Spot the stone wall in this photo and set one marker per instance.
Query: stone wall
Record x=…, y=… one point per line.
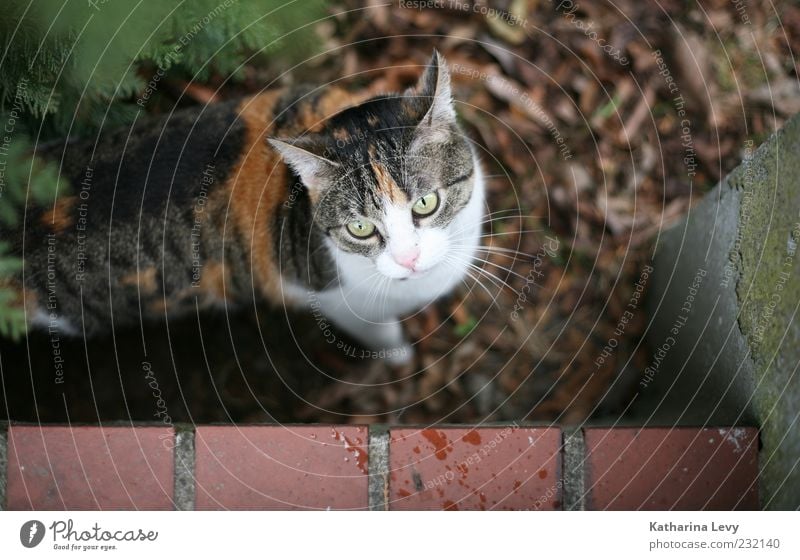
x=724, y=303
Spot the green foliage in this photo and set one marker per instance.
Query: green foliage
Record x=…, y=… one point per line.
x=70, y=67
x=24, y=180
x=12, y=318
x=85, y=61
x=463, y=329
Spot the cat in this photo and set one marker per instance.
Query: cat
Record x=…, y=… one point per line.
x=363, y=207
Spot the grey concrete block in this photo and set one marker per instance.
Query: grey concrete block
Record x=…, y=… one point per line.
x=724, y=303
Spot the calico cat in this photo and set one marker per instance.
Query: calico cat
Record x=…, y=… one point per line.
x=366, y=208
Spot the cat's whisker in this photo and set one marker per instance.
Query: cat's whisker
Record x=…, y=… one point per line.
x=474, y=224
x=500, y=267
x=506, y=215
x=386, y=294
x=382, y=294
x=361, y=283
x=501, y=215
x=477, y=280
x=515, y=258
x=484, y=273
x=349, y=289
x=488, y=274
x=374, y=291
x=491, y=278
x=518, y=211
x=491, y=232
x=487, y=252
x=499, y=251
x=333, y=280
x=499, y=233
x=470, y=289
x=368, y=278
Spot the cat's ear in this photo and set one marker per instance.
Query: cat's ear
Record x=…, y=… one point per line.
x=434, y=87
x=311, y=168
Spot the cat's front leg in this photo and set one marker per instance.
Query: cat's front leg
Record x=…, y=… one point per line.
x=382, y=337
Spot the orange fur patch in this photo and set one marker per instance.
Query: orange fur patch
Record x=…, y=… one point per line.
x=341, y=135
x=145, y=279
x=158, y=307
x=311, y=117
x=213, y=282
x=60, y=216
x=251, y=194
x=258, y=184
x=386, y=184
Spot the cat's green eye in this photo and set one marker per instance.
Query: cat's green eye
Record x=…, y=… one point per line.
x=361, y=228
x=426, y=205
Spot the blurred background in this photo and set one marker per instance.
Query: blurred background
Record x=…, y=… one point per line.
x=599, y=125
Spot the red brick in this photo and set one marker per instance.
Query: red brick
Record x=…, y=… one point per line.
x=475, y=469
x=281, y=467
x=89, y=468
x=678, y=468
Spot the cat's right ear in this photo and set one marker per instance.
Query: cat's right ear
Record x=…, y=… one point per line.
x=434, y=84
x=312, y=169
x=439, y=118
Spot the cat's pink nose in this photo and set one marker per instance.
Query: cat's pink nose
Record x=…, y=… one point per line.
x=407, y=258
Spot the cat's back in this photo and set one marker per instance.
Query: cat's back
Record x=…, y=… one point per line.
x=169, y=155
x=171, y=208
x=155, y=157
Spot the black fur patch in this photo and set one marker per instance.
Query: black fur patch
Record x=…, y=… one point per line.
x=136, y=193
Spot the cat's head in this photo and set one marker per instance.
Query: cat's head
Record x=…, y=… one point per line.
x=388, y=178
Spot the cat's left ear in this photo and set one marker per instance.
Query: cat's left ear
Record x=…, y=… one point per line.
x=312, y=169
x=434, y=87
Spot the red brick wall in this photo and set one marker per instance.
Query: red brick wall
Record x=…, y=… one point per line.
x=355, y=467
